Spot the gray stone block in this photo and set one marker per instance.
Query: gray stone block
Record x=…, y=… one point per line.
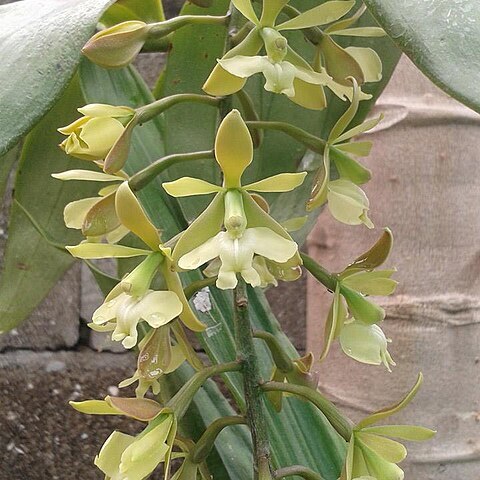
x=55, y=322
x=41, y=437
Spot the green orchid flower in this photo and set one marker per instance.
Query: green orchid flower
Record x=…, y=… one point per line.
x=346, y=200
x=234, y=228
x=360, y=337
x=96, y=217
x=132, y=301
x=284, y=70
x=372, y=454
x=125, y=457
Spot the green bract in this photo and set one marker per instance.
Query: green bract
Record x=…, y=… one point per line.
x=249, y=230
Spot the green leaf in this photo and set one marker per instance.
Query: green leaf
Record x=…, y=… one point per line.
x=148, y=11
x=40, y=43
x=441, y=38
x=32, y=266
x=192, y=127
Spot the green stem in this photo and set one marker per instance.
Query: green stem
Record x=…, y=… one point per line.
x=311, y=141
x=329, y=280
x=250, y=114
x=162, y=29
x=251, y=381
x=145, y=176
x=181, y=400
x=195, y=287
x=342, y=425
x=147, y=112
x=299, y=470
x=206, y=442
x=280, y=357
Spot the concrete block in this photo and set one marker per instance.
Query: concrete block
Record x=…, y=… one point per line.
x=55, y=322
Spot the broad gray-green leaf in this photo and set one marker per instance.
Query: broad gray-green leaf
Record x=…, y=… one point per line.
x=441, y=37
x=31, y=266
x=40, y=43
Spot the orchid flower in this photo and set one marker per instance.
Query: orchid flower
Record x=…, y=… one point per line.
x=234, y=228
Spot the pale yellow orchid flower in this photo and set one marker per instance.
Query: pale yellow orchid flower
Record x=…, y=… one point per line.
x=234, y=227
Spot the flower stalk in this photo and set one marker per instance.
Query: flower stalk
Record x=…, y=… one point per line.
x=298, y=470
x=342, y=425
x=251, y=381
x=142, y=178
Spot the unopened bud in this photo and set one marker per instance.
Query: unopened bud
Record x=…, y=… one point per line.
x=117, y=46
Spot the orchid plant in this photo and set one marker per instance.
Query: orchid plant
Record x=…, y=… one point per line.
x=209, y=186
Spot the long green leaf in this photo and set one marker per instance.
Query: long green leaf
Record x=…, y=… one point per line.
x=40, y=44
x=195, y=50
x=31, y=266
x=441, y=37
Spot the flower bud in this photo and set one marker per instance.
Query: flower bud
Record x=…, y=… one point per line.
x=92, y=136
x=117, y=46
x=348, y=203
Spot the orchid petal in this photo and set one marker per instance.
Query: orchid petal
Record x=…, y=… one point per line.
x=360, y=32
x=207, y=225
x=109, y=458
x=246, y=9
x=322, y=14
x=105, y=110
x=369, y=62
x=200, y=255
x=104, y=250
x=188, y=186
x=389, y=411
x=75, y=212
x=131, y=214
x=339, y=63
x=405, y=432
x=388, y=449
x=270, y=245
x=101, y=218
x=233, y=148
x=88, y=175
x=283, y=182
x=158, y=308
x=372, y=283
x=222, y=83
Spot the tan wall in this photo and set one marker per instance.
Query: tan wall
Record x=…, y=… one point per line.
x=426, y=187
